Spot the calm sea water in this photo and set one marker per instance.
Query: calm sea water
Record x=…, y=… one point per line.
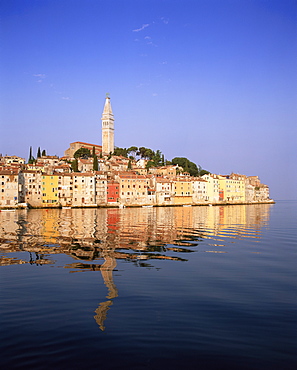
x=149, y=288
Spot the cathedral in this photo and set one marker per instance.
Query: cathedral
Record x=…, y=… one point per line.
x=107, y=135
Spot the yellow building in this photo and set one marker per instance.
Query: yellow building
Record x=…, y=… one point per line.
x=183, y=190
x=232, y=188
x=50, y=190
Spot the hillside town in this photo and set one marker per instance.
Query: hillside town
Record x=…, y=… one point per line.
x=91, y=175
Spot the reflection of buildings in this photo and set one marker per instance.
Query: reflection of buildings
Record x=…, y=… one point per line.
x=136, y=235
x=90, y=234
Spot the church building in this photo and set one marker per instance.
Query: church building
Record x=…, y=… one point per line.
x=107, y=128
x=107, y=135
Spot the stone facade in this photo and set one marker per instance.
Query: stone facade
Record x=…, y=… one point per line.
x=107, y=128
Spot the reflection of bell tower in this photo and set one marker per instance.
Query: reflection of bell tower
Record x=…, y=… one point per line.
x=107, y=127
x=106, y=271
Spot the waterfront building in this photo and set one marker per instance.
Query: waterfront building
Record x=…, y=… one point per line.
x=9, y=188
x=261, y=192
x=183, y=190
x=84, y=189
x=65, y=189
x=164, y=190
x=113, y=190
x=107, y=128
x=101, y=188
x=30, y=183
x=50, y=196
x=255, y=191
x=232, y=187
x=212, y=187
x=133, y=188
x=199, y=187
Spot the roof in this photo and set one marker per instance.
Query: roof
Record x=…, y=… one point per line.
x=9, y=172
x=81, y=142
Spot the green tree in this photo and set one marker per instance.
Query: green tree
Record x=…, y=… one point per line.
x=149, y=164
x=82, y=153
x=95, y=163
x=43, y=153
x=157, y=158
x=30, y=154
x=203, y=172
x=141, y=152
x=145, y=153
x=38, y=152
x=187, y=165
x=129, y=167
x=121, y=151
x=149, y=153
x=132, y=151
x=74, y=165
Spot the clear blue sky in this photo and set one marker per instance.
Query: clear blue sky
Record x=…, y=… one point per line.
x=213, y=81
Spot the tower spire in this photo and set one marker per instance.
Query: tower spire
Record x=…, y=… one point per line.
x=107, y=127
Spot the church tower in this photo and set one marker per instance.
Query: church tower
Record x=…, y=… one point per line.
x=107, y=127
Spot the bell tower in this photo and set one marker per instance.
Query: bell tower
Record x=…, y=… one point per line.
x=107, y=127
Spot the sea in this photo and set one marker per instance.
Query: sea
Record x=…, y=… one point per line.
x=204, y=287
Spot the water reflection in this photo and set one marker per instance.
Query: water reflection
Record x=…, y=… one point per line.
x=132, y=234
x=97, y=238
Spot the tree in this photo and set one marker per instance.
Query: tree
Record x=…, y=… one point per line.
x=120, y=151
x=149, y=165
x=82, y=153
x=149, y=153
x=74, y=165
x=203, y=172
x=129, y=167
x=145, y=152
x=95, y=163
x=187, y=165
x=132, y=151
x=31, y=158
x=38, y=152
x=43, y=153
x=157, y=158
x=30, y=154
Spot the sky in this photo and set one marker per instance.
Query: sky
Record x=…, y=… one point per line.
x=214, y=81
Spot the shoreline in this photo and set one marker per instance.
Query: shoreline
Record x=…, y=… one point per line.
x=121, y=206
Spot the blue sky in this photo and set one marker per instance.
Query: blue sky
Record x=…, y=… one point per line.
x=213, y=81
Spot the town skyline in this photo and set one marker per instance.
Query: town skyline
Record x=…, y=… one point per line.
x=214, y=81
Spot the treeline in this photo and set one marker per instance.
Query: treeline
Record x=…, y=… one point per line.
x=154, y=158
x=84, y=153
x=157, y=159
x=39, y=154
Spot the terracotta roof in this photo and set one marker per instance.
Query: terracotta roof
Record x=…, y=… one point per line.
x=81, y=142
